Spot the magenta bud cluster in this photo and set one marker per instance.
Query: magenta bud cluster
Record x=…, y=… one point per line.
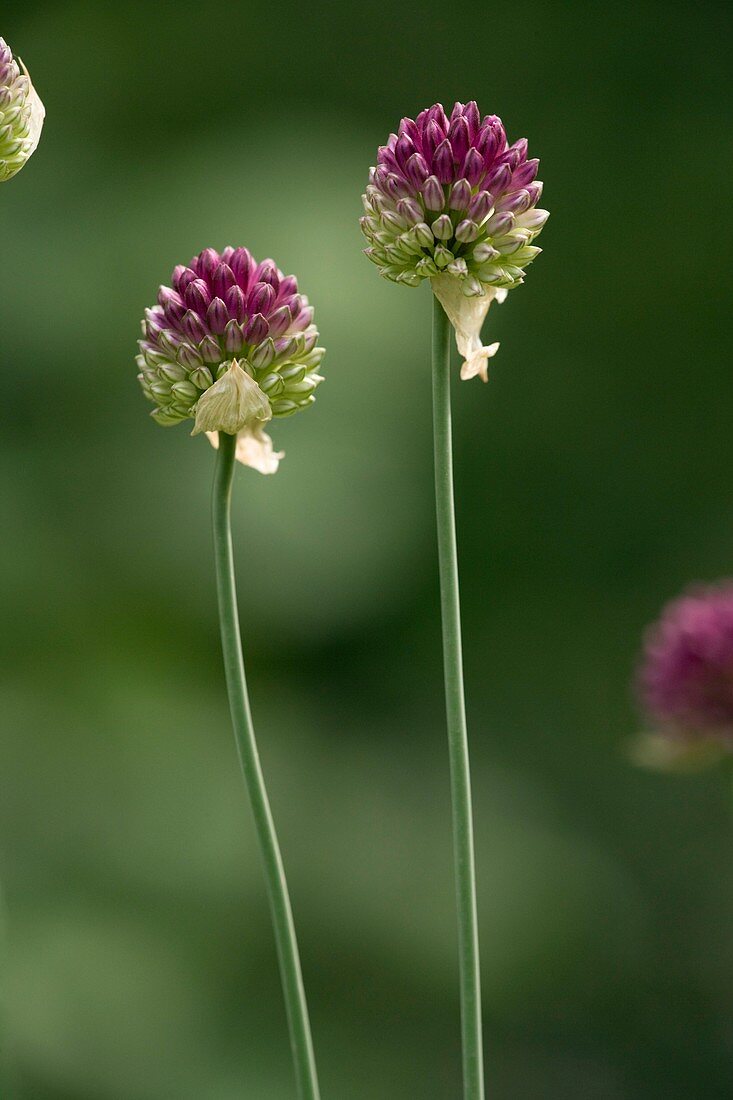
x=450, y=195
x=225, y=306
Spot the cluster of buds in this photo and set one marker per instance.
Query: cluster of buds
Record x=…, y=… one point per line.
x=686, y=680
x=450, y=201
x=230, y=344
x=21, y=115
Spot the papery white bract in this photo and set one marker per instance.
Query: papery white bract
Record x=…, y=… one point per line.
x=467, y=316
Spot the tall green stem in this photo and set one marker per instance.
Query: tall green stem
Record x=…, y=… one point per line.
x=465, y=869
x=282, y=916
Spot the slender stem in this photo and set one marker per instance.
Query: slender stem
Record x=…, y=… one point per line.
x=282, y=916
x=465, y=869
x=8, y=1084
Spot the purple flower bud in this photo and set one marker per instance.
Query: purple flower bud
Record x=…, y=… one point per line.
x=525, y=173
x=288, y=288
x=304, y=318
x=261, y=298
x=257, y=329
x=236, y=303
x=295, y=303
x=206, y=263
x=433, y=194
x=242, y=266
x=491, y=140
x=416, y=169
x=172, y=304
x=397, y=187
x=217, y=316
x=437, y=115
x=459, y=138
x=472, y=116
x=443, y=165
x=480, y=205
x=185, y=277
x=223, y=279
x=432, y=139
x=516, y=202
x=192, y=326
x=267, y=272
x=498, y=224
x=387, y=160
x=280, y=321
x=197, y=296
x=233, y=337
x=498, y=181
x=403, y=150
x=285, y=347
x=460, y=195
x=170, y=341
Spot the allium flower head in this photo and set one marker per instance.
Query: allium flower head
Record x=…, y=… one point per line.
x=451, y=201
x=686, y=676
x=230, y=344
x=21, y=115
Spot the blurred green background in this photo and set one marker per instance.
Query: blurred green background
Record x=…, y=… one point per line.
x=594, y=478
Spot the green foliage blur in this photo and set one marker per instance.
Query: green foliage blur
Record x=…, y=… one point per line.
x=594, y=481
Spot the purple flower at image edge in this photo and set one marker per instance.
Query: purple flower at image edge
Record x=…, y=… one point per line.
x=685, y=679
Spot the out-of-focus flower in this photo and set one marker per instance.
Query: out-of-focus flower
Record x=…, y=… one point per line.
x=21, y=115
x=449, y=200
x=231, y=344
x=686, y=680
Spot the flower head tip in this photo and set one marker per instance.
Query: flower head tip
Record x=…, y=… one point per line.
x=21, y=115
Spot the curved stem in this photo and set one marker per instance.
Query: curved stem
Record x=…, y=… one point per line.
x=465, y=870
x=282, y=916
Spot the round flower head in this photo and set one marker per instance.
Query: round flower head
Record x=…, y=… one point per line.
x=686, y=676
x=452, y=202
x=231, y=345
x=21, y=115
